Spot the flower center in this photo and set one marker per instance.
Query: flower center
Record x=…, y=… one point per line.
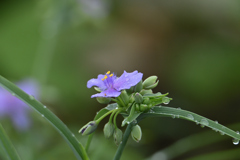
x=108, y=79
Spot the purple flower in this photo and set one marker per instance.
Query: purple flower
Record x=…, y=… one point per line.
x=111, y=86
x=14, y=108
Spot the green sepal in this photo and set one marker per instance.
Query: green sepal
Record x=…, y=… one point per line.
x=117, y=135
x=138, y=87
x=136, y=133
x=103, y=100
x=149, y=82
x=146, y=91
x=138, y=98
x=124, y=97
x=108, y=129
x=89, y=128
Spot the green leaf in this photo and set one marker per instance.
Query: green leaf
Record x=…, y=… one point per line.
x=76, y=146
x=190, y=116
x=7, y=145
x=153, y=95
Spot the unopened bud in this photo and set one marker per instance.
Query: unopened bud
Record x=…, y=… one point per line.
x=89, y=128
x=117, y=136
x=143, y=107
x=138, y=87
x=138, y=98
x=146, y=101
x=108, y=129
x=146, y=91
x=150, y=82
x=136, y=133
x=103, y=100
x=125, y=97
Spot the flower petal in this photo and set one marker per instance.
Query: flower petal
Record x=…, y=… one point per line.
x=107, y=93
x=97, y=82
x=127, y=80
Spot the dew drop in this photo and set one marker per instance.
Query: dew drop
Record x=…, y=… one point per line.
x=189, y=116
x=126, y=75
x=237, y=132
x=204, y=122
x=31, y=97
x=197, y=123
x=221, y=133
x=44, y=106
x=42, y=115
x=179, y=108
x=173, y=116
x=177, y=116
x=165, y=100
x=73, y=135
x=216, y=122
x=13, y=94
x=235, y=141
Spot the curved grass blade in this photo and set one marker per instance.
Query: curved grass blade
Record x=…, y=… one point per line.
x=7, y=145
x=76, y=146
x=190, y=116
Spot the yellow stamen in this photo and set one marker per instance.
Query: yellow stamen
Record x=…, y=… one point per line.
x=108, y=72
x=111, y=75
x=105, y=77
x=102, y=79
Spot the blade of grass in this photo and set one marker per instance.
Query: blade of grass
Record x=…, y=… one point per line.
x=75, y=145
x=190, y=116
x=7, y=145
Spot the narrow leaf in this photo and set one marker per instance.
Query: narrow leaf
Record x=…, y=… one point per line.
x=7, y=145
x=76, y=146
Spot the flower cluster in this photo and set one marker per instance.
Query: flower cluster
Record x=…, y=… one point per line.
x=14, y=108
x=133, y=97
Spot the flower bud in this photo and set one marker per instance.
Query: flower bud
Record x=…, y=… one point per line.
x=146, y=101
x=117, y=136
x=138, y=98
x=108, y=129
x=143, y=107
x=131, y=99
x=137, y=107
x=138, y=87
x=103, y=100
x=136, y=133
x=146, y=91
x=89, y=128
x=150, y=82
x=125, y=97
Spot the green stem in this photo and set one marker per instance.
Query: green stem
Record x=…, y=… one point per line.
x=89, y=141
x=115, y=119
x=124, y=142
x=106, y=114
x=7, y=145
x=110, y=119
x=114, y=100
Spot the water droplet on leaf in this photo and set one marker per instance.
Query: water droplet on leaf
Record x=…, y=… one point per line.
x=216, y=122
x=44, y=106
x=204, y=122
x=189, y=116
x=42, y=115
x=31, y=97
x=173, y=116
x=235, y=141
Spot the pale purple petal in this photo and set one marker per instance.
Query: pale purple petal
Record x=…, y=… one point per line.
x=21, y=120
x=127, y=80
x=107, y=93
x=97, y=82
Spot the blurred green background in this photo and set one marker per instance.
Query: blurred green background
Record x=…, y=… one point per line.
x=192, y=46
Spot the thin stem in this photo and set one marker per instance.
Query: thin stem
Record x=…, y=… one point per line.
x=89, y=141
x=115, y=119
x=106, y=114
x=110, y=119
x=7, y=145
x=124, y=142
x=114, y=100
